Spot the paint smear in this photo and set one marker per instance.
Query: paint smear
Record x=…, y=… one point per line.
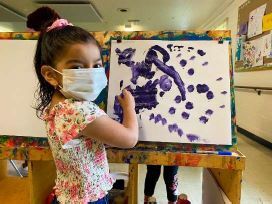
x=178, y=55
x=165, y=83
x=205, y=64
x=210, y=95
x=192, y=58
x=164, y=121
x=158, y=118
x=172, y=110
x=162, y=94
x=191, y=71
x=121, y=84
x=224, y=92
x=152, y=116
x=190, y=88
x=203, y=119
x=183, y=62
x=209, y=112
x=192, y=137
x=185, y=115
x=201, y=52
x=202, y=88
x=223, y=106
x=180, y=132
x=219, y=79
x=189, y=105
x=178, y=99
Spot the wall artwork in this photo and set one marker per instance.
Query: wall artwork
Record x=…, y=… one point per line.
x=181, y=89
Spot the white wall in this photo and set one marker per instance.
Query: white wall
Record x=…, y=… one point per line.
x=254, y=112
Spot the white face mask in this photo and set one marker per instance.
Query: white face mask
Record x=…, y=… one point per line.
x=83, y=84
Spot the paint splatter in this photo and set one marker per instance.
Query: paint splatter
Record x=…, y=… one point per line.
x=205, y=64
x=223, y=106
x=183, y=62
x=202, y=88
x=162, y=94
x=164, y=121
x=219, y=79
x=201, y=52
x=191, y=71
x=185, y=115
x=121, y=84
x=203, y=119
x=189, y=105
x=224, y=92
x=190, y=48
x=178, y=55
x=169, y=46
x=190, y=88
x=210, y=95
x=158, y=118
x=180, y=132
x=178, y=99
x=173, y=127
x=165, y=83
x=209, y=112
x=125, y=56
x=192, y=137
x=172, y=110
x=152, y=116
x=192, y=58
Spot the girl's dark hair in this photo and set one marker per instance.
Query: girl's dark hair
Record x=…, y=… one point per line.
x=50, y=45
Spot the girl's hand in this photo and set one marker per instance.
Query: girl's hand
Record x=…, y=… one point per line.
x=127, y=102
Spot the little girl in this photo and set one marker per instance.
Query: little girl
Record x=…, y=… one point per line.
x=69, y=68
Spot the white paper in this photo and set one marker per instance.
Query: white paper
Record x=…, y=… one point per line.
x=211, y=69
x=267, y=45
x=255, y=21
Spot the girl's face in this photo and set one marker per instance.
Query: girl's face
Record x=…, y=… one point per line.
x=76, y=56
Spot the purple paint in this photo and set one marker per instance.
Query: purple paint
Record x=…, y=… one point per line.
x=191, y=71
x=164, y=121
x=205, y=64
x=125, y=56
x=152, y=57
x=121, y=84
x=202, y=88
x=178, y=99
x=117, y=110
x=210, y=95
x=190, y=88
x=224, y=92
x=180, y=132
x=219, y=79
x=172, y=110
x=223, y=106
x=183, y=62
x=203, y=119
x=185, y=115
x=162, y=94
x=173, y=127
x=179, y=47
x=192, y=137
x=189, y=106
x=192, y=58
x=165, y=83
x=169, y=46
x=178, y=55
x=209, y=112
x=152, y=116
x=158, y=118
x=190, y=48
x=201, y=52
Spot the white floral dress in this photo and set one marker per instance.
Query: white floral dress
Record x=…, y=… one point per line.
x=81, y=163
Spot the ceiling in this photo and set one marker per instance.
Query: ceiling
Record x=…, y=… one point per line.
x=98, y=15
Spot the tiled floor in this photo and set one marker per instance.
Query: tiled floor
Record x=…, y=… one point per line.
x=257, y=180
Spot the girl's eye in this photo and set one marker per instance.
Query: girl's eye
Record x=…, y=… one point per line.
x=76, y=67
x=97, y=66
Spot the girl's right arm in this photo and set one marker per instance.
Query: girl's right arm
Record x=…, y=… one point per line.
x=112, y=133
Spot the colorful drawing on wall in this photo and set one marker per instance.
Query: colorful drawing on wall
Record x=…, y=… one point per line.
x=267, y=40
x=253, y=53
x=255, y=21
x=181, y=89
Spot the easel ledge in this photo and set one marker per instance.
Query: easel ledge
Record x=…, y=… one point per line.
x=227, y=170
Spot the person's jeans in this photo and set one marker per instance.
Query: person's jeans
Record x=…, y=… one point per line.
x=104, y=200
x=170, y=179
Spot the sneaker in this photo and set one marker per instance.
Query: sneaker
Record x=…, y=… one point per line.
x=183, y=199
x=150, y=200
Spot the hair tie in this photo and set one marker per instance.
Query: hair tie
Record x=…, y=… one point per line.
x=59, y=23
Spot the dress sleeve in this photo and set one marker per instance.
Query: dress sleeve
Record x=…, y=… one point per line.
x=71, y=118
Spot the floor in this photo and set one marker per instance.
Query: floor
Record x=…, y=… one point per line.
x=256, y=186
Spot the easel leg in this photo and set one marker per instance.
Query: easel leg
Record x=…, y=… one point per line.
x=133, y=184
x=42, y=176
x=3, y=169
x=230, y=182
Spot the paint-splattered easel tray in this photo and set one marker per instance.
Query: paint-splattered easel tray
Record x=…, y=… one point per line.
x=105, y=38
